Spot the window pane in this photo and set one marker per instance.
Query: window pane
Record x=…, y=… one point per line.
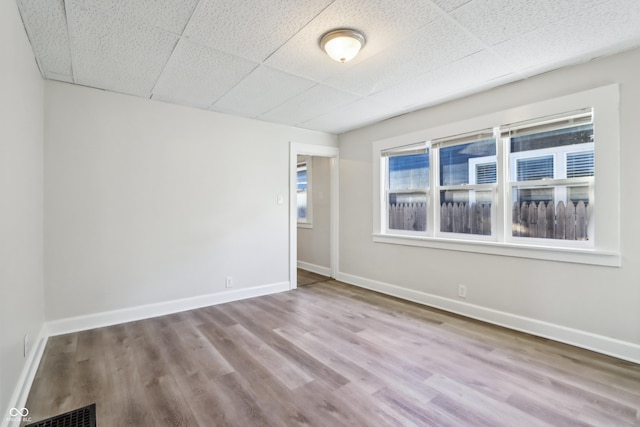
x=556, y=212
x=302, y=191
x=556, y=138
x=466, y=211
x=407, y=211
x=409, y=172
x=302, y=178
x=486, y=173
x=580, y=164
x=454, y=161
x=535, y=168
x=302, y=204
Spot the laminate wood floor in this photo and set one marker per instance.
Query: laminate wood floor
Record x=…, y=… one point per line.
x=306, y=277
x=329, y=354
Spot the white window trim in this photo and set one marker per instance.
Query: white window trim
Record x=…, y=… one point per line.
x=560, y=179
x=606, y=221
x=307, y=222
x=384, y=164
x=437, y=188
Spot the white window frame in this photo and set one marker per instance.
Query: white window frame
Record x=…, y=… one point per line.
x=474, y=136
x=307, y=221
x=605, y=247
x=384, y=164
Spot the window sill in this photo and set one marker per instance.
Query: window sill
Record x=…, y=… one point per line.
x=549, y=253
x=305, y=225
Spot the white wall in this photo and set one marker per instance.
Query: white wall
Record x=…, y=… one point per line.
x=603, y=301
x=314, y=243
x=147, y=202
x=21, y=124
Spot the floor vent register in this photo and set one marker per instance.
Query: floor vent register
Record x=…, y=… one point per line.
x=82, y=417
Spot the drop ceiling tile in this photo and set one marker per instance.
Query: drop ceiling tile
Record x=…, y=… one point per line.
x=254, y=29
x=612, y=27
x=449, y=5
x=46, y=25
x=459, y=78
x=349, y=117
x=262, y=90
x=564, y=8
x=494, y=21
x=383, y=23
x=114, y=54
x=169, y=15
x=198, y=75
x=315, y=102
x=434, y=45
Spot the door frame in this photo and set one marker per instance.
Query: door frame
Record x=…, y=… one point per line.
x=296, y=149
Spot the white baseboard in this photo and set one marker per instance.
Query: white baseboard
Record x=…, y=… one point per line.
x=601, y=344
x=21, y=392
x=325, y=271
x=108, y=318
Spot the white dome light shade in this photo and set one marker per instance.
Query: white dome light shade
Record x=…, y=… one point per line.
x=342, y=45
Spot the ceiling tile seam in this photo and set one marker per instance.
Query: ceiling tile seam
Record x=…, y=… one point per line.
x=262, y=61
x=288, y=72
x=260, y=116
x=517, y=70
x=344, y=106
x=447, y=16
x=71, y=53
x=329, y=111
x=178, y=38
x=193, y=12
x=302, y=27
x=234, y=86
x=35, y=56
x=164, y=68
x=360, y=98
x=133, y=21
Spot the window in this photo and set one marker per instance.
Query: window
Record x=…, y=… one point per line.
x=406, y=188
x=467, y=183
x=551, y=177
x=303, y=191
x=524, y=188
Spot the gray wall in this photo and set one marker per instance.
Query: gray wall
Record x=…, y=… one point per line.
x=314, y=243
x=148, y=202
x=594, y=299
x=21, y=139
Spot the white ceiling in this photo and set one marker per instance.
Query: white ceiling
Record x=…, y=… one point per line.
x=260, y=58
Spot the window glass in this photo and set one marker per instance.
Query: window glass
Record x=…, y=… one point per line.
x=486, y=173
x=408, y=181
x=302, y=184
x=580, y=164
x=540, y=216
x=463, y=210
x=533, y=169
x=552, y=209
x=455, y=160
x=411, y=171
x=466, y=211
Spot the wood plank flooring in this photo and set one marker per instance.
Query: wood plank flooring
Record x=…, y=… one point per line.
x=329, y=354
x=306, y=277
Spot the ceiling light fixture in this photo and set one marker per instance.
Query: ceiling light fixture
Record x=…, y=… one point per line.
x=342, y=45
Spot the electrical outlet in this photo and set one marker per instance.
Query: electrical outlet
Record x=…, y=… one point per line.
x=228, y=283
x=462, y=291
x=26, y=345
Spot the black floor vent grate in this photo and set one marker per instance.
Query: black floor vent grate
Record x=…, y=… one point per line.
x=82, y=417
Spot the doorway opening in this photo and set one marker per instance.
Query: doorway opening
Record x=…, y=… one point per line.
x=319, y=221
